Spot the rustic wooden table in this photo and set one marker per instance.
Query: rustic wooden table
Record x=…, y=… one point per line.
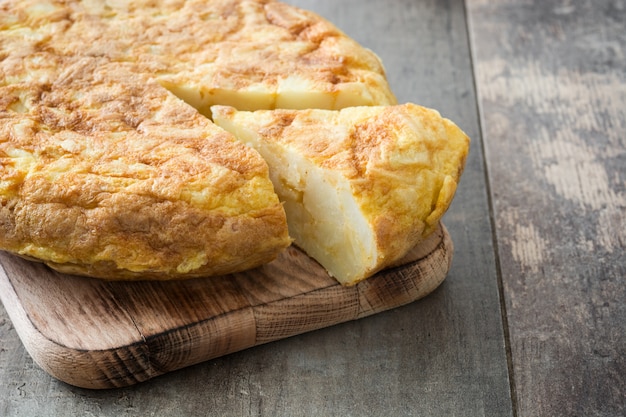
x=531, y=320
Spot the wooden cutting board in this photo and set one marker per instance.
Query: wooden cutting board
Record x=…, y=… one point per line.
x=104, y=334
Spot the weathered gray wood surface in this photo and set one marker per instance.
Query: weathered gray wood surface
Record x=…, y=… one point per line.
x=551, y=89
x=551, y=80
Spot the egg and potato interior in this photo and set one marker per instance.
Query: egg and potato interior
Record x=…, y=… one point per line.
x=112, y=167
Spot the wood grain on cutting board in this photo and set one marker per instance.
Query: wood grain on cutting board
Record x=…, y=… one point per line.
x=102, y=334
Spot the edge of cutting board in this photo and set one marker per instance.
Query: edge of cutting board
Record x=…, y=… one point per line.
x=105, y=334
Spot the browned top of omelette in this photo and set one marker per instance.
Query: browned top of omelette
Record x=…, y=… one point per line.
x=105, y=173
x=110, y=169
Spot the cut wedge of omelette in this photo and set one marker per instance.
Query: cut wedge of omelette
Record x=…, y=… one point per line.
x=112, y=168
x=361, y=186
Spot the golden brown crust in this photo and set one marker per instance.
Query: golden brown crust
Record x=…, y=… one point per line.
x=107, y=174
